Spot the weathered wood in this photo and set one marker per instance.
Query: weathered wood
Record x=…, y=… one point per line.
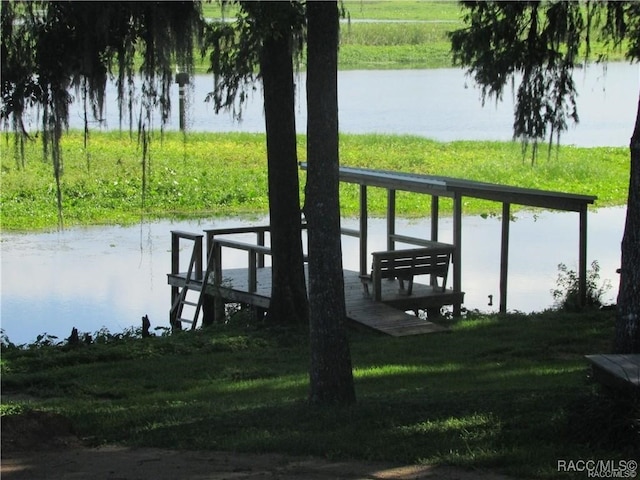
x=407, y=263
x=617, y=371
x=504, y=256
x=456, y=188
x=582, y=254
x=435, y=216
x=388, y=317
x=391, y=219
x=364, y=229
x=194, y=273
x=457, y=253
x=450, y=187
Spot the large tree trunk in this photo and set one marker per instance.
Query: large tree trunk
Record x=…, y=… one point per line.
x=289, y=294
x=330, y=372
x=628, y=314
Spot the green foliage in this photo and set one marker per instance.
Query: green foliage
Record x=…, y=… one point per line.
x=501, y=392
x=416, y=37
x=50, y=48
x=567, y=292
x=534, y=47
x=210, y=174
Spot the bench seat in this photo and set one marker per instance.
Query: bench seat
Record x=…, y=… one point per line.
x=405, y=264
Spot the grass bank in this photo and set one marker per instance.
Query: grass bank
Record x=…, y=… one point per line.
x=209, y=174
x=409, y=34
x=507, y=393
x=398, y=34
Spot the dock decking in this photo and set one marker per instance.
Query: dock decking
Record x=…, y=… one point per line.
x=388, y=317
x=617, y=371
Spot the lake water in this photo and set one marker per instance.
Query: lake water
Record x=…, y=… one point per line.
x=110, y=276
x=441, y=104
x=90, y=278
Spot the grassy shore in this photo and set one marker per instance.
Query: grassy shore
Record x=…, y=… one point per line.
x=504, y=393
x=213, y=174
x=399, y=34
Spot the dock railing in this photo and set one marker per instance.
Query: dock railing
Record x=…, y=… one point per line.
x=255, y=252
x=195, y=264
x=259, y=230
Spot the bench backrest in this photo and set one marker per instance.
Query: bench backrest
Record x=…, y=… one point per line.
x=411, y=262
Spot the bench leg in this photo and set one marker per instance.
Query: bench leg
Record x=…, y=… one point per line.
x=409, y=289
x=365, y=279
x=410, y=286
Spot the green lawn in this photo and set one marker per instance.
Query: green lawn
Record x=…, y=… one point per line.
x=506, y=393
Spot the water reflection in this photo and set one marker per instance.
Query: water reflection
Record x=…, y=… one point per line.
x=441, y=104
x=97, y=277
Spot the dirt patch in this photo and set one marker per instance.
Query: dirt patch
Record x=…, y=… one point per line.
x=42, y=446
x=35, y=430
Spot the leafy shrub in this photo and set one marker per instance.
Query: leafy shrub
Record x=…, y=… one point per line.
x=566, y=295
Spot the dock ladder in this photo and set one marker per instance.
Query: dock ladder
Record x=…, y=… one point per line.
x=194, y=281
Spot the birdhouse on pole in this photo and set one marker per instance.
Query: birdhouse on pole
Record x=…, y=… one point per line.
x=182, y=79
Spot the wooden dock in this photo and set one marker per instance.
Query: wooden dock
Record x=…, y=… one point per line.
x=388, y=316
x=617, y=371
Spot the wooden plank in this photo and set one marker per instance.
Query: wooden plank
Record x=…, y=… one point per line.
x=617, y=371
x=361, y=309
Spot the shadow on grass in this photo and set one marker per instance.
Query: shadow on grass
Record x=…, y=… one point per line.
x=496, y=392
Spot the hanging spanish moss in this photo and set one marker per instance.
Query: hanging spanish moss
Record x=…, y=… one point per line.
x=49, y=48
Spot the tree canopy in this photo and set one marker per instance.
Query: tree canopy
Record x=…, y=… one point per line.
x=537, y=45
x=50, y=49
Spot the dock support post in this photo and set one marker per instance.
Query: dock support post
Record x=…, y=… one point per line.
x=198, y=253
x=175, y=266
x=582, y=260
x=457, y=252
x=363, y=229
x=504, y=256
x=217, y=281
x=434, y=217
x=260, y=237
x=391, y=219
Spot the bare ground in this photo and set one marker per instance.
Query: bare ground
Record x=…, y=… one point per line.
x=39, y=446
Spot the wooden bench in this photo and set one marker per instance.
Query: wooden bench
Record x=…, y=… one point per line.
x=405, y=264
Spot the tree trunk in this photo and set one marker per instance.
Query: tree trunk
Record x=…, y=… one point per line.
x=628, y=311
x=289, y=294
x=330, y=372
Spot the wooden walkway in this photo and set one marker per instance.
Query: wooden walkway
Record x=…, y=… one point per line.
x=388, y=317
x=617, y=371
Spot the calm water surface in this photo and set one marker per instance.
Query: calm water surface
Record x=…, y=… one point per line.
x=110, y=276
x=90, y=278
x=441, y=104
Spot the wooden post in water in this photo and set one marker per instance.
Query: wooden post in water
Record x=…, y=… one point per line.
x=434, y=217
x=504, y=256
x=175, y=266
x=260, y=239
x=391, y=219
x=218, y=308
x=457, y=252
x=582, y=258
x=363, y=229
